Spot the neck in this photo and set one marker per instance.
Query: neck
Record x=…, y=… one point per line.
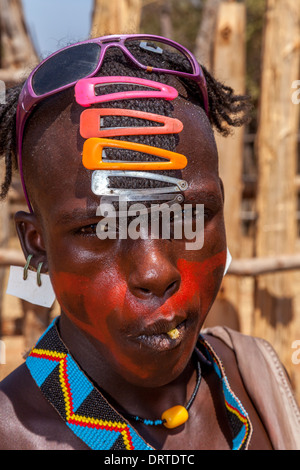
x=123, y=395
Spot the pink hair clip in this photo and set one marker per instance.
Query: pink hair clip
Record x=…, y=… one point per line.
x=91, y=123
x=85, y=90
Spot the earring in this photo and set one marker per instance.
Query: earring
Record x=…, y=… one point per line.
x=36, y=288
x=38, y=274
x=25, y=270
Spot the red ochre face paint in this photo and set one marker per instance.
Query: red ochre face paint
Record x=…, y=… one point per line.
x=200, y=278
x=90, y=304
x=106, y=310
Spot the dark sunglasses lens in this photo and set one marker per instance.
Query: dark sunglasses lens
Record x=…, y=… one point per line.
x=66, y=67
x=158, y=54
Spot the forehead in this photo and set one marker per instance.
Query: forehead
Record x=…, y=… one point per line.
x=52, y=151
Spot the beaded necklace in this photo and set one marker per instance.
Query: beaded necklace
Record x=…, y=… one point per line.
x=88, y=414
x=175, y=416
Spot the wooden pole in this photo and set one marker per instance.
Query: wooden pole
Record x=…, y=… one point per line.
x=206, y=34
x=17, y=50
x=229, y=67
x=11, y=256
x=116, y=17
x=166, y=20
x=275, y=316
x=259, y=266
x=17, y=53
x=238, y=267
x=229, y=59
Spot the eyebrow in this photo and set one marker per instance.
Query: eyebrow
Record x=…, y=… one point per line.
x=204, y=197
x=76, y=215
x=81, y=215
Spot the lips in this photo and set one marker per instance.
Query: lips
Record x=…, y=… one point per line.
x=158, y=339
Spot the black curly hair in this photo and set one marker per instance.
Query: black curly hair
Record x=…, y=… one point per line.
x=226, y=110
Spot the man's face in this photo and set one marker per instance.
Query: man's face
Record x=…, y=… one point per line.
x=125, y=295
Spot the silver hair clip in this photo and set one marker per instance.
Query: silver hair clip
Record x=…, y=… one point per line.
x=122, y=211
x=100, y=186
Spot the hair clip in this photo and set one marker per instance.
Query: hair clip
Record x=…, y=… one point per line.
x=93, y=152
x=85, y=90
x=91, y=123
x=170, y=199
x=100, y=185
x=157, y=49
x=122, y=211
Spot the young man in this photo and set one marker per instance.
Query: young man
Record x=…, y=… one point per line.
x=126, y=348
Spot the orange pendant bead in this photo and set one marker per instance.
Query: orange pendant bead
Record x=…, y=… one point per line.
x=175, y=416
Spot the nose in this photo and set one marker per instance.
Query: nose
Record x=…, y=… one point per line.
x=152, y=272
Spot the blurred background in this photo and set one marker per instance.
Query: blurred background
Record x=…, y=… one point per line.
x=252, y=46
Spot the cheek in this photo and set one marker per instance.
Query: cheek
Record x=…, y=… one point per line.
x=200, y=280
x=89, y=302
x=99, y=306
x=94, y=308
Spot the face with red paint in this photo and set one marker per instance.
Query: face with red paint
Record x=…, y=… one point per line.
x=123, y=295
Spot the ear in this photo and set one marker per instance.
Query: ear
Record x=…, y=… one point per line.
x=30, y=234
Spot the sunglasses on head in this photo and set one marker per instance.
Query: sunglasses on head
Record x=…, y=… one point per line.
x=66, y=67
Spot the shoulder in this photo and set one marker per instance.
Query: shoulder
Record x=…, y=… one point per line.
x=226, y=353
x=28, y=421
x=256, y=372
x=223, y=347
x=262, y=355
x=252, y=358
x=15, y=406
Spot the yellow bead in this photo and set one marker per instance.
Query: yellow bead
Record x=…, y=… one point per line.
x=175, y=416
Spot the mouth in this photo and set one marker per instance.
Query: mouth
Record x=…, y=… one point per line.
x=167, y=336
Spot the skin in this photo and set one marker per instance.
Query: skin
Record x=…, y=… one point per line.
x=112, y=291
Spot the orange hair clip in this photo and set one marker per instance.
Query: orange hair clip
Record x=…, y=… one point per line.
x=90, y=123
x=93, y=150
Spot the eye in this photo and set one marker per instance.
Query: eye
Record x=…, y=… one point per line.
x=197, y=213
x=179, y=216
x=208, y=214
x=87, y=230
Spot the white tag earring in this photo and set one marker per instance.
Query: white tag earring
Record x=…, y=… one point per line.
x=228, y=261
x=35, y=287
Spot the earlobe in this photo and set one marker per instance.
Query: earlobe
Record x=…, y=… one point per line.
x=31, y=238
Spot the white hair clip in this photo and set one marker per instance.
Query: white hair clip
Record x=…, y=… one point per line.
x=100, y=185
